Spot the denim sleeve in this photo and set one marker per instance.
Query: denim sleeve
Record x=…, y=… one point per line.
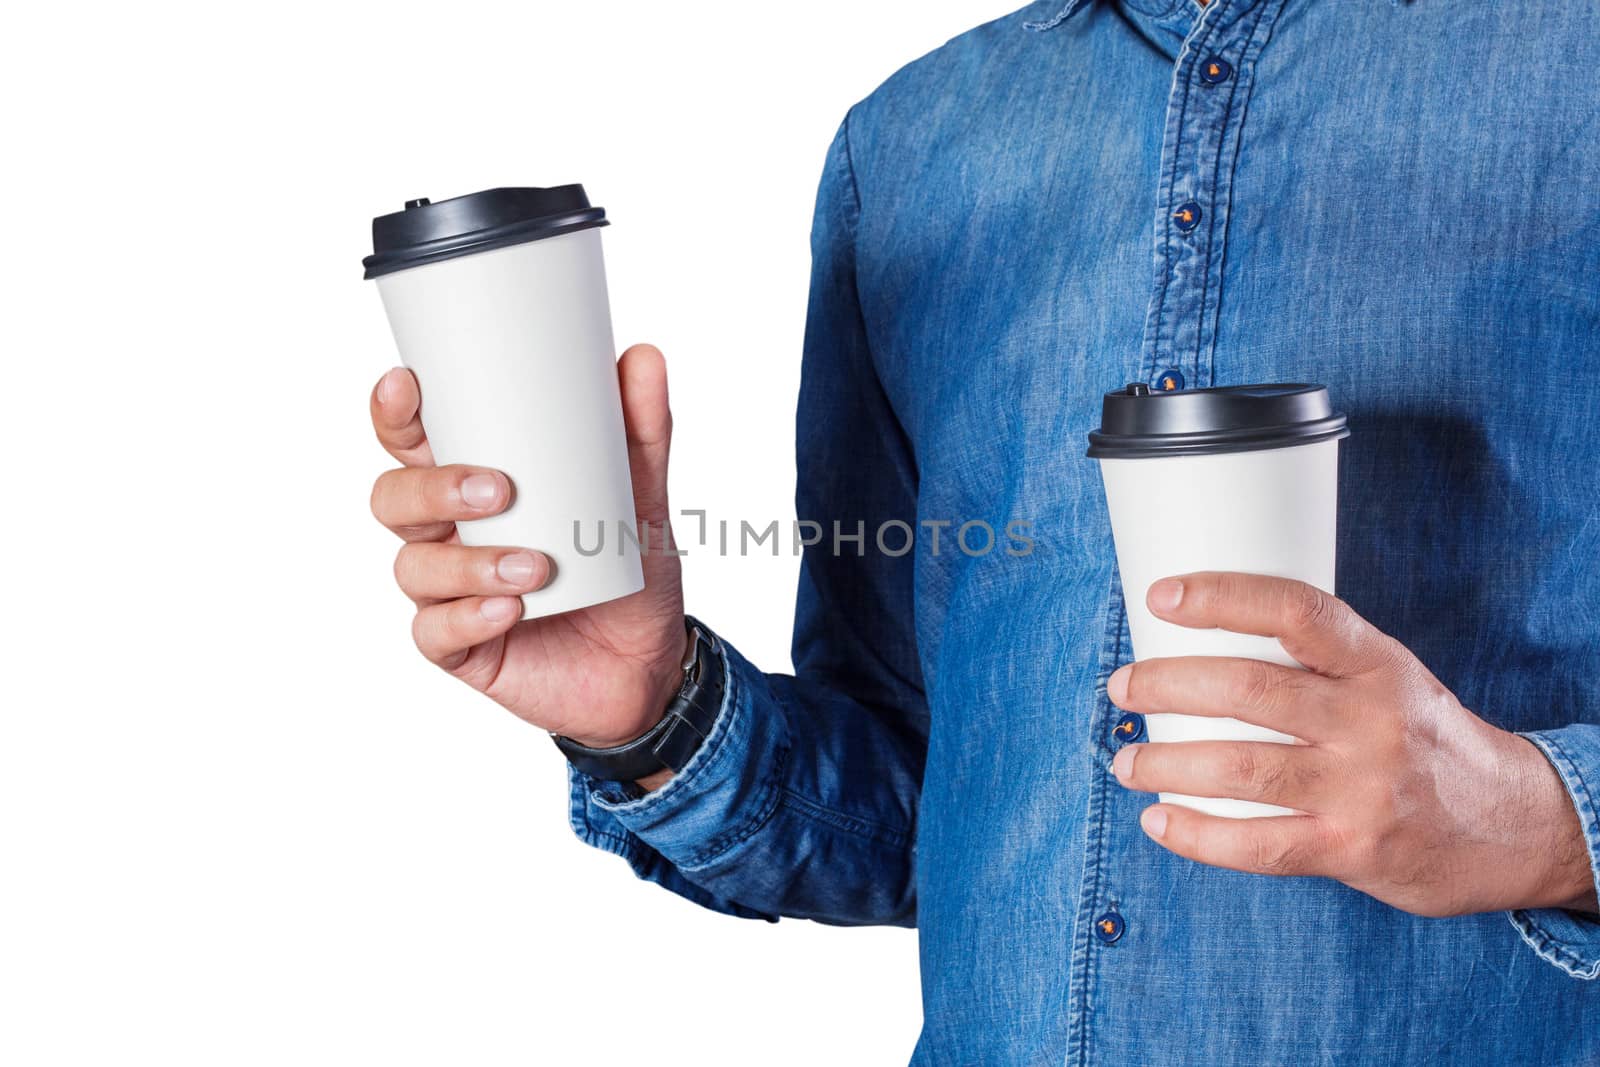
x=1569, y=939
x=802, y=800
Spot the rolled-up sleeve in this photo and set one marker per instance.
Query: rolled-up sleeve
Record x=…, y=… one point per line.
x=1568, y=939
x=679, y=835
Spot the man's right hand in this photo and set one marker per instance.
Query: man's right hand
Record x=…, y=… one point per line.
x=601, y=676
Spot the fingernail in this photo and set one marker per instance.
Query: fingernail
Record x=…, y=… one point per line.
x=1122, y=765
x=517, y=568
x=499, y=608
x=480, y=491
x=1154, y=821
x=387, y=385
x=1165, y=594
x=1117, y=684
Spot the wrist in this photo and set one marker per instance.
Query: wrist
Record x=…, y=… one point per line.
x=651, y=783
x=669, y=671
x=667, y=688
x=658, y=687
x=1561, y=873
x=683, y=721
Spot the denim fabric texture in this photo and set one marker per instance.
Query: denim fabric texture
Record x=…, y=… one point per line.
x=1399, y=200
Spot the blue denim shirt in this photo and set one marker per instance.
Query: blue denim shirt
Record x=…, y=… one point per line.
x=1400, y=200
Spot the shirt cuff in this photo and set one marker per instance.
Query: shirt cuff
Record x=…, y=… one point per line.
x=1570, y=939
x=724, y=796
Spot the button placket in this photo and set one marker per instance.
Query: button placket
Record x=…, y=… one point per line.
x=1200, y=143
x=1199, y=149
x=1183, y=244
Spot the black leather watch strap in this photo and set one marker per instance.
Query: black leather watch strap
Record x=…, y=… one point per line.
x=673, y=741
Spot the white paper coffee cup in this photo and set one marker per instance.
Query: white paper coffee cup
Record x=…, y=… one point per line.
x=498, y=305
x=1241, y=478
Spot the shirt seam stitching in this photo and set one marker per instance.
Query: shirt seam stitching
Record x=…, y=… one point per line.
x=861, y=827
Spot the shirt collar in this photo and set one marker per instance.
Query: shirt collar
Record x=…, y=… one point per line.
x=1152, y=17
x=1168, y=18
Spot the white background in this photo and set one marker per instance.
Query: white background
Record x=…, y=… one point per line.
x=241, y=820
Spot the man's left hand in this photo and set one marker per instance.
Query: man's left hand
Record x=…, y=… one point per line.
x=1405, y=794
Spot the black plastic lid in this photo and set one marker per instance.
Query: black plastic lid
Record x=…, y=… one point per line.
x=1136, y=423
x=426, y=232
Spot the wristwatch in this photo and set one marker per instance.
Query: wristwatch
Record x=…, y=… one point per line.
x=673, y=741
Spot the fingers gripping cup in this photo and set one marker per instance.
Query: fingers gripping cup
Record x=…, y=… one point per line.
x=498, y=305
x=1238, y=478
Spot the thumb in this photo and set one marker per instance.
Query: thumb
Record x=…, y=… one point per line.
x=642, y=375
